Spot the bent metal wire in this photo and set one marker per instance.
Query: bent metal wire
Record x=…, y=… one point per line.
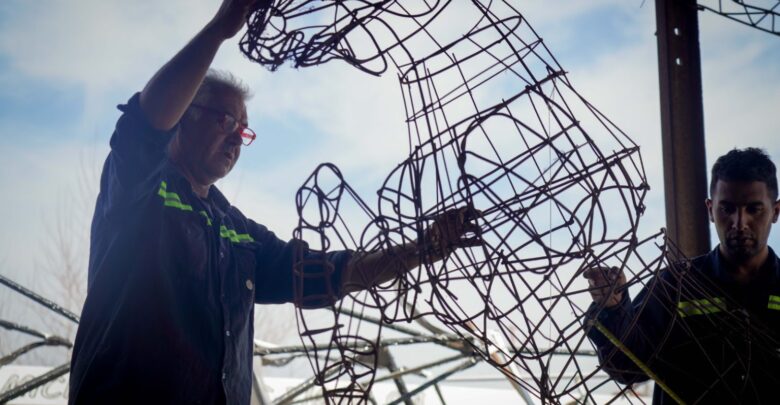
x=493, y=122
x=761, y=15
x=39, y=340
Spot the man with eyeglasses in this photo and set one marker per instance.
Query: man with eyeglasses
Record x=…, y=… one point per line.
x=174, y=269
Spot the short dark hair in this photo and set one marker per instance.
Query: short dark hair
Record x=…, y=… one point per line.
x=749, y=164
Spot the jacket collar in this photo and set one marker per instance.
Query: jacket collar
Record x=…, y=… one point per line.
x=181, y=183
x=770, y=269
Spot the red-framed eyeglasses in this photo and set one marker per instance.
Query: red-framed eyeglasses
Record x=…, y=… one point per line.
x=231, y=124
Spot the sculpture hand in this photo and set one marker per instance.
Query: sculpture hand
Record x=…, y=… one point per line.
x=452, y=229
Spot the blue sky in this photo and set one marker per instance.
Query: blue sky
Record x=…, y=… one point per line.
x=64, y=66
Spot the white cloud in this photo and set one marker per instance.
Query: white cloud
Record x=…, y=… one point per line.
x=97, y=47
x=98, y=43
x=45, y=184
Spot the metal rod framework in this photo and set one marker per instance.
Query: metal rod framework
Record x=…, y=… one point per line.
x=433, y=381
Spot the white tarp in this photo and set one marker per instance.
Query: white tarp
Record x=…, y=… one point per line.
x=52, y=393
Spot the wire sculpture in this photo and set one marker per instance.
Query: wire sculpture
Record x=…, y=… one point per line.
x=761, y=15
x=493, y=124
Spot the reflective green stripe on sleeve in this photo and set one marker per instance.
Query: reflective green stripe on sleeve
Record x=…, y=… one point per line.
x=700, y=307
x=171, y=199
x=233, y=236
x=774, y=302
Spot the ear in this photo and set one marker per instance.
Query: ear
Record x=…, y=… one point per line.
x=708, y=203
x=775, y=211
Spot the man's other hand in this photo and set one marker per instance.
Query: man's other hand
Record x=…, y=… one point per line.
x=605, y=285
x=452, y=229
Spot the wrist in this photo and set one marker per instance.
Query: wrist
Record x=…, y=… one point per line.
x=430, y=250
x=614, y=302
x=215, y=31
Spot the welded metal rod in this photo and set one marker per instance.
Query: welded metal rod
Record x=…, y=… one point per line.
x=34, y=383
x=383, y=343
x=397, y=378
x=443, y=376
x=300, y=389
x=21, y=328
x=52, y=341
x=39, y=299
x=418, y=369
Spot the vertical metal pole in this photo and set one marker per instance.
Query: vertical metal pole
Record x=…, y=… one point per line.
x=682, y=125
x=399, y=381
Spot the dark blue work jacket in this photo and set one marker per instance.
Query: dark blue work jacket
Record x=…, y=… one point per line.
x=173, y=280
x=710, y=339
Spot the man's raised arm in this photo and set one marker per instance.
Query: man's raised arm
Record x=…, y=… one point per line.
x=171, y=90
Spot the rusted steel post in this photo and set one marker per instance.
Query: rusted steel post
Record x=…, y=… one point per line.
x=682, y=125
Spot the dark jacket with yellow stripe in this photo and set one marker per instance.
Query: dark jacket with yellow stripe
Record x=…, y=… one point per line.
x=173, y=280
x=709, y=338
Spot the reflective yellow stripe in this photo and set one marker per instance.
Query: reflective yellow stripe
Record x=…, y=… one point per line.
x=700, y=307
x=171, y=199
x=205, y=215
x=774, y=302
x=176, y=204
x=233, y=236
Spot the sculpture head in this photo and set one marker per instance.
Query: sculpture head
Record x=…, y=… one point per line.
x=311, y=32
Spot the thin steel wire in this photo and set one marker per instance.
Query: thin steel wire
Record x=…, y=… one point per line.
x=763, y=15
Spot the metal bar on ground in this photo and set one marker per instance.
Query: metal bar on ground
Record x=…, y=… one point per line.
x=397, y=378
x=39, y=299
x=21, y=328
x=443, y=376
x=53, y=341
x=290, y=395
x=383, y=343
x=458, y=345
x=36, y=382
x=418, y=369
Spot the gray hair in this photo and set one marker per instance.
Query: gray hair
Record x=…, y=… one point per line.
x=217, y=81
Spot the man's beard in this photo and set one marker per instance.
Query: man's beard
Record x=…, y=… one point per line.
x=741, y=248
